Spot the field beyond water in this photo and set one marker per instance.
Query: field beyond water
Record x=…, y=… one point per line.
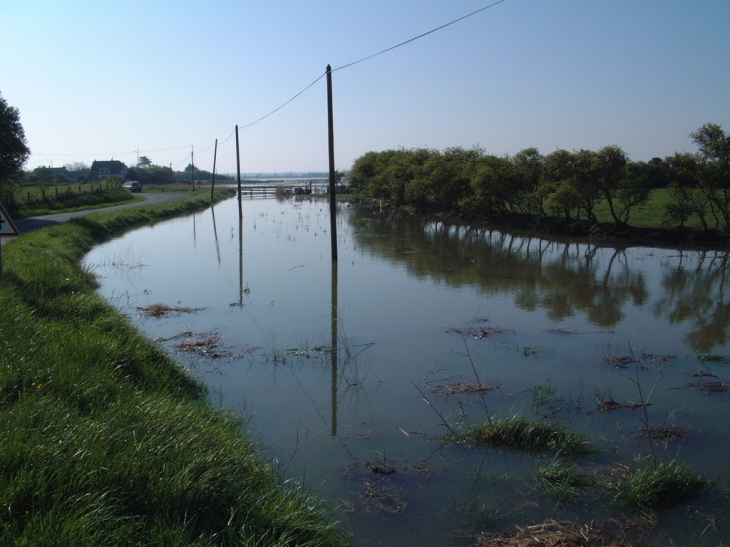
x=104, y=440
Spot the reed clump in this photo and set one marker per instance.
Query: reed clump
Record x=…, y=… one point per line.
x=656, y=487
x=520, y=433
x=104, y=440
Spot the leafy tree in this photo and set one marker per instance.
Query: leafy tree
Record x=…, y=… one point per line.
x=144, y=161
x=557, y=189
x=712, y=170
x=528, y=165
x=14, y=150
x=77, y=166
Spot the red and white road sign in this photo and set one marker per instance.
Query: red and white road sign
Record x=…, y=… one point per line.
x=7, y=228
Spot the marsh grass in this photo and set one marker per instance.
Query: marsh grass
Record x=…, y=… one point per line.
x=519, y=433
x=563, y=481
x=654, y=488
x=104, y=440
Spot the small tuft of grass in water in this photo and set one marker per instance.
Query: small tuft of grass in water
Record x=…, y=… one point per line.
x=712, y=358
x=519, y=433
x=651, y=489
x=546, y=395
x=531, y=349
x=562, y=481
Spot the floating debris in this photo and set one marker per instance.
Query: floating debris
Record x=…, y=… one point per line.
x=163, y=310
x=463, y=388
x=609, y=405
x=552, y=533
x=711, y=387
x=703, y=374
x=207, y=347
x=381, y=489
x=658, y=358
x=624, y=361
x=619, y=362
x=664, y=433
x=477, y=332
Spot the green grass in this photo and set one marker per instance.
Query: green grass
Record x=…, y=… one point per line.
x=712, y=358
x=562, y=481
x=104, y=440
x=68, y=199
x=650, y=489
x=519, y=433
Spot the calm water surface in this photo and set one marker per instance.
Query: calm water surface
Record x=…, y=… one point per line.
x=415, y=310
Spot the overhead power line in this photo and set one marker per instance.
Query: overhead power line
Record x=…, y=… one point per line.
x=374, y=55
x=417, y=37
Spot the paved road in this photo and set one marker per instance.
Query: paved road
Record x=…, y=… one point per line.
x=33, y=223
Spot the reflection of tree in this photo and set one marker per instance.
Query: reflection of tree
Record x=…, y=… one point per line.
x=563, y=278
x=695, y=292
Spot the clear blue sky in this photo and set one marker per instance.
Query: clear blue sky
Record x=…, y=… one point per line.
x=96, y=80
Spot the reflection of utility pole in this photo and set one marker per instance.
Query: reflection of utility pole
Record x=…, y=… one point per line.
x=215, y=235
x=240, y=255
x=334, y=348
x=240, y=225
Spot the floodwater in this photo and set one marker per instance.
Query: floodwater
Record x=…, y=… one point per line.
x=349, y=375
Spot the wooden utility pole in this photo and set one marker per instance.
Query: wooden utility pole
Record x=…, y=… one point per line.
x=192, y=166
x=333, y=197
x=238, y=170
x=212, y=183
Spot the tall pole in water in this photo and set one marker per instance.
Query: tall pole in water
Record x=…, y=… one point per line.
x=333, y=197
x=238, y=170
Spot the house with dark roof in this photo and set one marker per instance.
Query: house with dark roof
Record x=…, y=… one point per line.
x=111, y=168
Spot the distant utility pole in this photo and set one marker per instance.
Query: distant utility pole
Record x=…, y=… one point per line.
x=192, y=165
x=212, y=182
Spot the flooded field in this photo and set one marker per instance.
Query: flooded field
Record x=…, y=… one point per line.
x=353, y=375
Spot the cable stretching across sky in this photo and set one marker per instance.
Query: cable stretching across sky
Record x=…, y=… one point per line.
x=370, y=57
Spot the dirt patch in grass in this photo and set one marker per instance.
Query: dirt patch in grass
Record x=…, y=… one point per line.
x=163, y=310
x=553, y=533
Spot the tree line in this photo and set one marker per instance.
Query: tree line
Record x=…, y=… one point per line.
x=472, y=184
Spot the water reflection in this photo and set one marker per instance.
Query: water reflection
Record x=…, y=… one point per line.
x=334, y=348
x=564, y=278
x=350, y=359
x=694, y=291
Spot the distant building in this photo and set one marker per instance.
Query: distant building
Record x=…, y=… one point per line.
x=111, y=168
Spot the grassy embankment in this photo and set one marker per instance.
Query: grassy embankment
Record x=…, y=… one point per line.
x=104, y=440
x=37, y=200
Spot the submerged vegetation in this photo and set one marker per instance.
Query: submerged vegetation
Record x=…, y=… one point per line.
x=520, y=433
x=104, y=440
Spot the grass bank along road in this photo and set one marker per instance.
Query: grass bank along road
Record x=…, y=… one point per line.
x=104, y=439
x=34, y=223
